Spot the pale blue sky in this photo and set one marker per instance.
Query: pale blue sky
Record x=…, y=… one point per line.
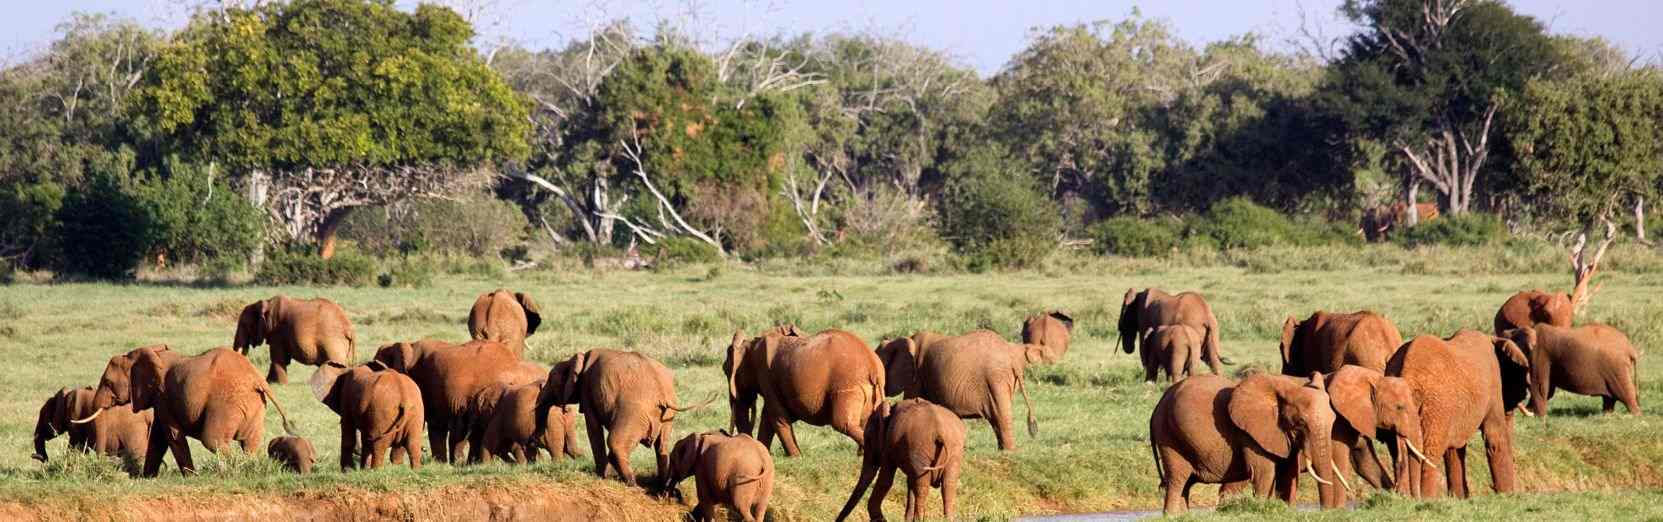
x=980, y=33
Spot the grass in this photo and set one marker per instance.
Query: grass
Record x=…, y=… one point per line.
x=1092, y=452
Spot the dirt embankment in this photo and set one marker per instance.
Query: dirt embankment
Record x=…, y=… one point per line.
x=493, y=503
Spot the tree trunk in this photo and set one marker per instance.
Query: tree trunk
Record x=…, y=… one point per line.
x=1411, y=215
x=258, y=183
x=1640, y=220
x=327, y=229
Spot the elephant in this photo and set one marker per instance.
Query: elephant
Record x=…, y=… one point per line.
x=1141, y=311
x=506, y=425
x=294, y=453
x=626, y=399
x=974, y=375
x=504, y=317
x=1175, y=348
x=1466, y=383
x=829, y=378
x=382, y=412
x=1050, y=330
x=735, y=470
x=1530, y=308
x=309, y=332
x=215, y=397
x=118, y=432
x=1593, y=359
x=1324, y=342
x=1207, y=430
x=449, y=376
x=922, y=440
x=1370, y=406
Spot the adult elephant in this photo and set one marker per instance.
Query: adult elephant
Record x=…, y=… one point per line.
x=1325, y=342
x=1370, y=406
x=626, y=398
x=1207, y=430
x=449, y=377
x=1469, y=382
x=1530, y=308
x=1593, y=359
x=975, y=376
x=118, y=432
x=311, y=332
x=830, y=378
x=216, y=397
x=504, y=317
x=1141, y=311
x=1049, y=330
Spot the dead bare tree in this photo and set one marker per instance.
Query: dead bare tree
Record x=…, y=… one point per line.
x=312, y=203
x=1583, y=268
x=632, y=149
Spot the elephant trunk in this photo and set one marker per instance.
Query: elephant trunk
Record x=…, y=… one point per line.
x=868, y=471
x=743, y=419
x=1128, y=337
x=43, y=432
x=1322, y=469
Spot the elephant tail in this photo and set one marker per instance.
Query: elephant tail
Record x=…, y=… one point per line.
x=398, y=421
x=868, y=471
x=745, y=479
x=936, y=464
x=288, y=427
x=1033, y=424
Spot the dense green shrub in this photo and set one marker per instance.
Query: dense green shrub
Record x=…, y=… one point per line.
x=28, y=212
x=408, y=272
x=102, y=230
x=1240, y=223
x=994, y=219
x=478, y=225
x=301, y=267
x=196, y=218
x=1135, y=237
x=1469, y=229
x=684, y=250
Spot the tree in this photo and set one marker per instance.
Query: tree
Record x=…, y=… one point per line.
x=324, y=106
x=1428, y=78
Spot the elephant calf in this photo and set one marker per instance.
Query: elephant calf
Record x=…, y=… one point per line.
x=117, y=432
x=1049, y=330
x=922, y=440
x=506, y=426
x=380, y=409
x=626, y=398
x=1592, y=359
x=294, y=453
x=1175, y=348
x=735, y=470
x=1207, y=430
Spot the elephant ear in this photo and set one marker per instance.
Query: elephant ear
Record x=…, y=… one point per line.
x=1256, y=409
x=1067, y=321
x=736, y=357
x=533, y=315
x=579, y=363
x=376, y=366
x=323, y=381
x=1351, y=390
x=1290, y=326
x=59, y=412
x=148, y=371
x=1507, y=350
x=250, y=331
x=1128, y=324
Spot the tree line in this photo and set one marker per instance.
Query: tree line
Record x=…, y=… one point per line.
x=268, y=127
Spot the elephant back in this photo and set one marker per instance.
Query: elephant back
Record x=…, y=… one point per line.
x=956, y=372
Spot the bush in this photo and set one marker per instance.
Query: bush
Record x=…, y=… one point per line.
x=1240, y=223
x=1470, y=229
x=102, y=230
x=195, y=218
x=409, y=272
x=301, y=267
x=996, y=220
x=1134, y=237
x=479, y=225
x=683, y=250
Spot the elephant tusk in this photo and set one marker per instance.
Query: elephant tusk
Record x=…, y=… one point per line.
x=1341, y=476
x=89, y=418
x=1313, y=472
x=1419, y=455
x=1526, y=411
x=1382, y=465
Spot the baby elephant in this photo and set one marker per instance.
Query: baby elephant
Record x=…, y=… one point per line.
x=118, y=431
x=735, y=470
x=380, y=409
x=294, y=453
x=1175, y=348
x=510, y=427
x=921, y=439
x=1592, y=359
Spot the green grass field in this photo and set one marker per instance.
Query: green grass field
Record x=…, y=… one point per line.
x=1091, y=454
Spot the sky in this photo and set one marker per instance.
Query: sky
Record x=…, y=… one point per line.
x=983, y=34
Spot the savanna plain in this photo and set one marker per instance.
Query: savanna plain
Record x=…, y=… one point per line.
x=1091, y=454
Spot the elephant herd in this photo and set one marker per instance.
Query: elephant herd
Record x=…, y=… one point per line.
x=481, y=399
x=1348, y=380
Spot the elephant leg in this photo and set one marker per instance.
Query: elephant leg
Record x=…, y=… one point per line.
x=436, y=437
x=1261, y=473
x=1000, y=418
x=157, y=448
x=848, y=416
x=1628, y=391
x=619, y=445
x=1367, y=463
x=181, y=449
x=949, y=490
x=1150, y=368
x=1175, y=479
x=1498, y=449
x=1229, y=489
x=1286, y=478
x=1455, y=464
x=458, y=439
x=744, y=496
x=1609, y=405
x=476, y=447
x=918, y=490
x=788, y=438
x=278, y=373
x=1210, y=350
x=880, y=489
x=661, y=446
x=1431, y=485
x=413, y=449
x=597, y=444
x=1175, y=360
x=765, y=431
x=349, y=444
x=521, y=456
x=704, y=511
x=378, y=451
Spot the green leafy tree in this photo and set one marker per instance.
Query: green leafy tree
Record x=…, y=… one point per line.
x=1428, y=78
x=324, y=106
